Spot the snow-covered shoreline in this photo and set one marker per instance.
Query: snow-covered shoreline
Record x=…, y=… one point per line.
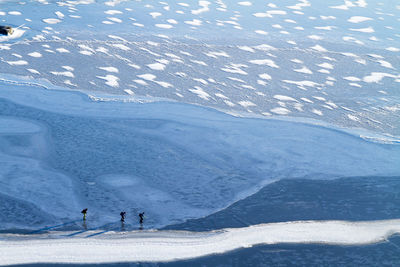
x=164, y=246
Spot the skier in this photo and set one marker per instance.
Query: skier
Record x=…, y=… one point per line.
x=84, y=214
x=122, y=216
x=141, y=216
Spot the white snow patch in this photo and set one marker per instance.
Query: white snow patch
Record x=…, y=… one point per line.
x=194, y=22
x=111, y=80
x=365, y=30
x=221, y=96
x=235, y=68
x=270, y=13
x=315, y=37
x=156, y=66
x=129, y=92
x=393, y=49
x=113, y=12
x=298, y=61
x=134, y=66
x=358, y=19
x=385, y=64
x=325, y=71
x=267, y=62
x=200, y=93
x=163, y=84
x=109, y=69
x=319, y=48
x=280, y=111
x=261, y=15
x=155, y=14
x=172, y=21
x=147, y=77
x=326, y=28
x=304, y=70
x=62, y=50
x=51, y=21
x=121, y=46
x=307, y=100
x=352, y=39
x=216, y=54
x=68, y=82
x=204, y=8
x=141, y=82
x=86, y=52
x=245, y=3
x=301, y=84
x=35, y=54
x=33, y=71
x=59, y=14
x=15, y=13
x=63, y=73
x=316, y=111
x=113, y=19
x=376, y=77
x=355, y=85
x=326, y=65
x=261, y=32
x=352, y=79
x=199, y=62
x=265, y=76
x=246, y=103
x=285, y=98
x=17, y=63
x=352, y=117
x=111, y=2
x=69, y=68
x=264, y=47
x=164, y=26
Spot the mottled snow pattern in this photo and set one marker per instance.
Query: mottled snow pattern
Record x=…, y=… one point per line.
x=262, y=49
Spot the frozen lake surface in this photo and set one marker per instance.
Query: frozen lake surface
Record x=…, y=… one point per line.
x=204, y=114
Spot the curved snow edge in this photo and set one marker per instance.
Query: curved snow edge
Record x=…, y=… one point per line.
x=162, y=246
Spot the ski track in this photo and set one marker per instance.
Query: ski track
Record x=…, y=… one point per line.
x=140, y=246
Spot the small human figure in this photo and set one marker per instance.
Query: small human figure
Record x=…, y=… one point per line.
x=141, y=216
x=122, y=216
x=6, y=30
x=84, y=214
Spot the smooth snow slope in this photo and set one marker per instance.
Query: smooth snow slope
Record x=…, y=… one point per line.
x=162, y=246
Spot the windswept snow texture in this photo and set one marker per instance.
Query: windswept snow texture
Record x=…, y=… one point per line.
x=234, y=56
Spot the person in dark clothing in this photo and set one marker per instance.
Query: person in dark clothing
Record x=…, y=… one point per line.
x=6, y=30
x=122, y=216
x=84, y=211
x=141, y=217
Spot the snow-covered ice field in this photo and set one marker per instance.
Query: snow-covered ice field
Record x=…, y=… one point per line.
x=175, y=161
x=183, y=109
